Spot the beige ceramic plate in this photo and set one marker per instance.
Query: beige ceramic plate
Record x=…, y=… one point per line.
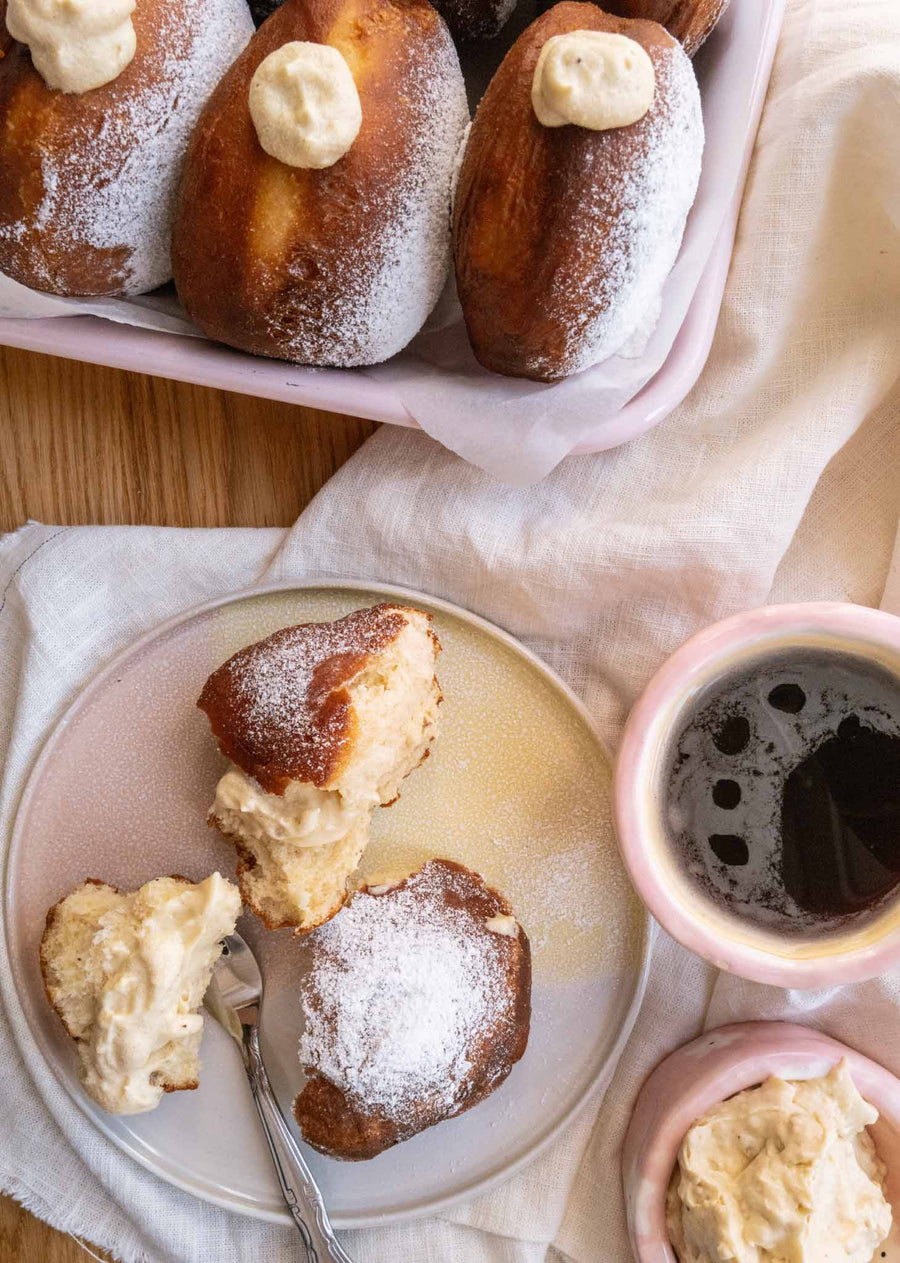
x=518, y=788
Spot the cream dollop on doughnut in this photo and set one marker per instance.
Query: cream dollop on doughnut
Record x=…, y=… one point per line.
x=304, y=105
x=75, y=45
x=595, y=79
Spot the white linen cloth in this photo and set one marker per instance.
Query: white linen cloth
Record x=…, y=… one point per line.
x=777, y=479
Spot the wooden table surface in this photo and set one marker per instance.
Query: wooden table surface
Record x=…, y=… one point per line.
x=85, y=444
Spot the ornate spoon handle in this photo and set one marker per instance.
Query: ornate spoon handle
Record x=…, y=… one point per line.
x=303, y=1198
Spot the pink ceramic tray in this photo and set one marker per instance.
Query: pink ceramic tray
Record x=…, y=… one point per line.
x=99, y=341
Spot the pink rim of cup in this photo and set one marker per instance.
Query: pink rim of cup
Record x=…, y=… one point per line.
x=856, y=957
x=717, y=1065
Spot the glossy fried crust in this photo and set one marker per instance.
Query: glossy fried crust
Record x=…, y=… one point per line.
x=313, y=743
x=264, y=253
x=690, y=21
x=522, y=195
x=342, y=1128
x=38, y=121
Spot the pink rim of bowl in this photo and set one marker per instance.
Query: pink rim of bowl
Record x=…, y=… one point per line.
x=864, y=949
x=709, y=1070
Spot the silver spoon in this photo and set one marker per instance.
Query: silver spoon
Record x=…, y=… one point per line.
x=234, y=999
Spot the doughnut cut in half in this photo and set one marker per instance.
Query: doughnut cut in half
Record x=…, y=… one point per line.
x=126, y=972
x=322, y=722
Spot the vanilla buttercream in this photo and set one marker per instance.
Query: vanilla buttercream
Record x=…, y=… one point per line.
x=595, y=79
x=75, y=45
x=305, y=105
x=127, y=971
x=302, y=816
x=782, y=1173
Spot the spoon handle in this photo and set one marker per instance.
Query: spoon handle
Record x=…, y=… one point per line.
x=303, y=1198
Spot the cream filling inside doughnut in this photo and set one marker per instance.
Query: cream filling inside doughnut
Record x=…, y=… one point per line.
x=595, y=79
x=395, y=701
x=304, y=105
x=128, y=971
x=302, y=816
x=75, y=45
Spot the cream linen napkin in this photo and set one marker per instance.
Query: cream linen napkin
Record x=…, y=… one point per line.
x=777, y=479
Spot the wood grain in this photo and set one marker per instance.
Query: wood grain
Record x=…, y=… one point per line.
x=81, y=444
x=24, y=1239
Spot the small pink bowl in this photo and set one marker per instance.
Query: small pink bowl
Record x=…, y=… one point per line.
x=714, y=1067
x=867, y=947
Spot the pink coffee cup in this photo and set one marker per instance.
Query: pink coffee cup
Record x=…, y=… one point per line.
x=860, y=947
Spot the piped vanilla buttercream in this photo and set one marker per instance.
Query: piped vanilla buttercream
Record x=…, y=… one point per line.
x=75, y=45
x=304, y=105
x=595, y=79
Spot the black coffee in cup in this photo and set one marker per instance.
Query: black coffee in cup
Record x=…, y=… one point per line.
x=784, y=788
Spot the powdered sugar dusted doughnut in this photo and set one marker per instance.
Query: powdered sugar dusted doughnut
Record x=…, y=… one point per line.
x=342, y=265
x=564, y=236
x=690, y=21
x=88, y=181
x=322, y=723
x=417, y=1005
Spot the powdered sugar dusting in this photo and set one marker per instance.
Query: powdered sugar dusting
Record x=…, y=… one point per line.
x=273, y=681
x=635, y=225
x=270, y=686
x=114, y=188
x=273, y=704
x=537, y=828
x=385, y=292
x=401, y=995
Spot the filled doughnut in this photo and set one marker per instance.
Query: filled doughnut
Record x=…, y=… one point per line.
x=98, y=103
x=322, y=723
x=417, y=1006
x=581, y=166
x=313, y=220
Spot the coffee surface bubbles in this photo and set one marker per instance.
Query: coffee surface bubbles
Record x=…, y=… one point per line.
x=784, y=789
